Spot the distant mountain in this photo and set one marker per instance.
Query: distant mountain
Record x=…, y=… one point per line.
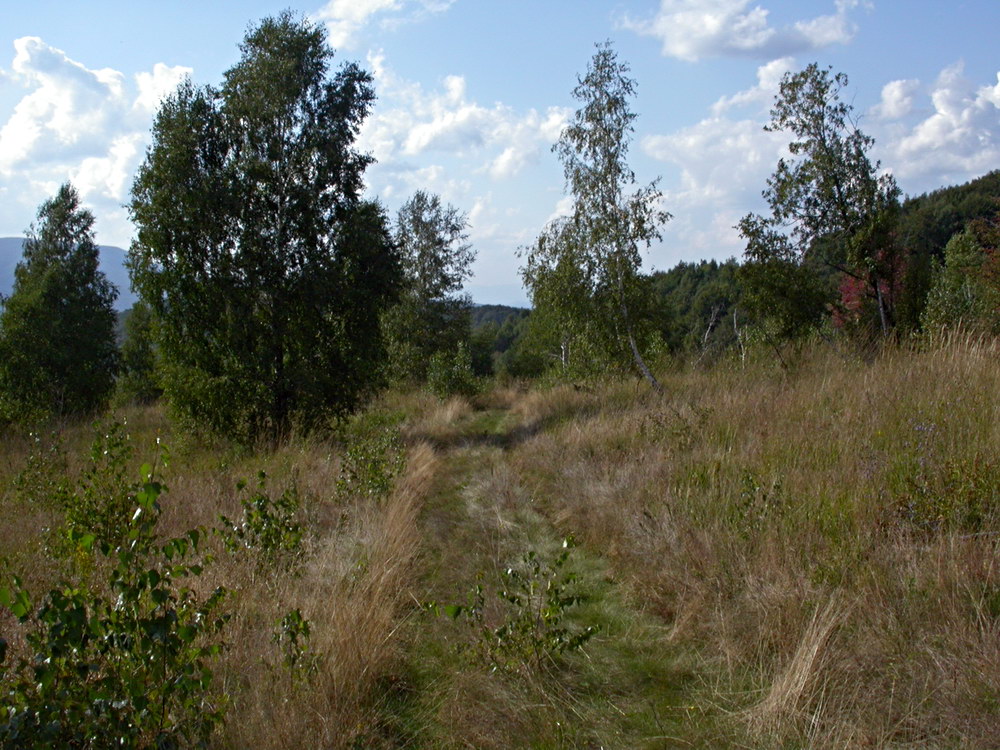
x=112, y=263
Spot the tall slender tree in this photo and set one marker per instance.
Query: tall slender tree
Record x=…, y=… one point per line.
x=597, y=249
x=57, y=329
x=265, y=270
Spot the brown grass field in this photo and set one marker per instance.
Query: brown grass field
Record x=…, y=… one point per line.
x=797, y=559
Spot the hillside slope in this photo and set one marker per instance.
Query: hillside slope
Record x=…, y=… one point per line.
x=112, y=264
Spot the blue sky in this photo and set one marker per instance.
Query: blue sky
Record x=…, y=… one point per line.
x=472, y=94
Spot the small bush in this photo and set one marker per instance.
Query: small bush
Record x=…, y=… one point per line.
x=373, y=457
x=123, y=664
x=535, y=598
x=451, y=374
x=268, y=527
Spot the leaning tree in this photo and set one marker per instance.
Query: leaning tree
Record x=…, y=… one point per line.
x=830, y=204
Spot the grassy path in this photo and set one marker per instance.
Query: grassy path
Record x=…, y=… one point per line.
x=466, y=687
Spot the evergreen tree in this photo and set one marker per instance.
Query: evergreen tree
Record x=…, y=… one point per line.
x=265, y=270
x=57, y=329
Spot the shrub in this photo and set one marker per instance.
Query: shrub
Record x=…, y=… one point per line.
x=533, y=633
x=450, y=373
x=268, y=526
x=123, y=664
x=373, y=457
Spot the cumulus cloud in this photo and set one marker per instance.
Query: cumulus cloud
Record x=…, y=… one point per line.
x=695, y=29
x=959, y=139
x=768, y=82
x=897, y=99
x=73, y=122
x=723, y=162
x=345, y=19
x=410, y=123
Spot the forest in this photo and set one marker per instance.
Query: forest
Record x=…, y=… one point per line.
x=305, y=493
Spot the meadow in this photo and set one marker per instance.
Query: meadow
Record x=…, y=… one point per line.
x=759, y=557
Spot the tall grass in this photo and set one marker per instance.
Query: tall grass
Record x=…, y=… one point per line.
x=817, y=547
x=351, y=580
x=825, y=540
x=355, y=590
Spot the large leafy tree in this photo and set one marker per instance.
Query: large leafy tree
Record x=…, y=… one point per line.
x=432, y=316
x=583, y=273
x=829, y=203
x=57, y=329
x=265, y=270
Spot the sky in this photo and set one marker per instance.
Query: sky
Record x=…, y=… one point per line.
x=473, y=93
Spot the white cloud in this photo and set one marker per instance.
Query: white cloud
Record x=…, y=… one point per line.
x=695, y=29
x=412, y=124
x=109, y=176
x=959, y=140
x=768, y=82
x=155, y=86
x=563, y=208
x=345, y=19
x=897, y=99
x=724, y=163
x=86, y=125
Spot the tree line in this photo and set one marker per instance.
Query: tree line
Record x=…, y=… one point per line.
x=275, y=296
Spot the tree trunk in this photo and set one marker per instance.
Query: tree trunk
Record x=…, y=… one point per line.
x=641, y=364
x=882, y=317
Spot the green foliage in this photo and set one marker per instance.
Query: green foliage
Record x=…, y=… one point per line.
x=758, y=507
x=98, y=502
x=43, y=477
x=292, y=636
x=927, y=223
x=265, y=271
x=784, y=294
x=431, y=315
x=451, y=373
x=103, y=500
x=517, y=352
x=497, y=341
x=123, y=664
x=957, y=495
x=933, y=489
x=268, y=527
x=533, y=633
x=696, y=304
x=583, y=271
x=138, y=380
x=57, y=329
x=962, y=292
x=373, y=457
x=829, y=200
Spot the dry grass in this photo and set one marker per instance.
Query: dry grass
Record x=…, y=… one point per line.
x=825, y=540
x=820, y=546
x=351, y=582
x=355, y=591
